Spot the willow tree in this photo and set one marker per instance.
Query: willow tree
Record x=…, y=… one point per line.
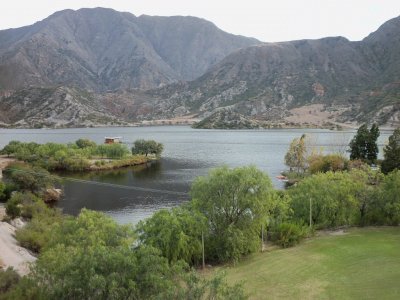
x=235, y=203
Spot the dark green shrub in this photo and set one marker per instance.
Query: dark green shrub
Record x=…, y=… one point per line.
x=27, y=178
x=3, y=196
x=326, y=163
x=85, y=143
x=8, y=279
x=13, y=207
x=289, y=234
x=38, y=232
x=7, y=191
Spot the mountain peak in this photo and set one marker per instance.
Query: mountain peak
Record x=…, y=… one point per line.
x=103, y=49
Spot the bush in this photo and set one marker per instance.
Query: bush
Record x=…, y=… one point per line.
x=3, y=196
x=85, y=143
x=27, y=178
x=6, y=190
x=32, y=205
x=8, y=279
x=39, y=231
x=13, y=207
x=326, y=163
x=115, y=151
x=289, y=234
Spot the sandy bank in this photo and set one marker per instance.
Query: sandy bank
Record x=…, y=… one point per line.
x=12, y=255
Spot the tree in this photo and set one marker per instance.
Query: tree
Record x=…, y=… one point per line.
x=364, y=145
x=147, y=147
x=92, y=257
x=392, y=153
x=235, y=203
x=332, y=198
x=296, y=158
x=176, y=233
x=390, y=199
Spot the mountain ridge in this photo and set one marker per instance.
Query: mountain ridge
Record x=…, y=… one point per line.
x=169, y=74
x=102, y=49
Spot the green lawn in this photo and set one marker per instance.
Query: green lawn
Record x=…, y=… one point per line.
x=361, y=264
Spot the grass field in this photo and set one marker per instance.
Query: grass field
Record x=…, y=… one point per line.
x=360, y=264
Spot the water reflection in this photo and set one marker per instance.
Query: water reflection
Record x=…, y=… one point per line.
x=128, y=201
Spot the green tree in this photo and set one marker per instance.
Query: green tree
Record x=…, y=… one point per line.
x=235, y=203
x=146, y=147
x=364, y=144
x=372, y=146
x=366, y=183
x=332, y=197
x=92, y=257
x=176, y=233
x=296, y=156
x=390, y=199
x=392, y=153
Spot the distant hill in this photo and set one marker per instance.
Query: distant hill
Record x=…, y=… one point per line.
x=146, y=68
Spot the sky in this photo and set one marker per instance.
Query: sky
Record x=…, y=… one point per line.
x=266, y=20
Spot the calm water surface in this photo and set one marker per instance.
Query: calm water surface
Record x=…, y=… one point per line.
x=128, y=194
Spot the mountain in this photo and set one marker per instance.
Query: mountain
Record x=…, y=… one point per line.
x=144, y=68
x=102, y=49
x=361, y=80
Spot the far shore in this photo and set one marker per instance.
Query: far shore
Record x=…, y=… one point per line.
x=277, y=127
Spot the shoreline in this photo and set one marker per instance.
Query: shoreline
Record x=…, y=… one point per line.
x=344, y=127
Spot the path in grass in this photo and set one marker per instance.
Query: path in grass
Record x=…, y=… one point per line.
x=362, y=264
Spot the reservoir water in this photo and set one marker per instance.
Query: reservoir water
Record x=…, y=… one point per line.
x=132, y=194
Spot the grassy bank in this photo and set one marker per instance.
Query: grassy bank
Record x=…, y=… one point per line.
x=134, y=160
x=360, y=264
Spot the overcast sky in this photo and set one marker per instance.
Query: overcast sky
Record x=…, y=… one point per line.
x=266, y=20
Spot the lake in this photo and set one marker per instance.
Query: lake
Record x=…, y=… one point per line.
x=132, y=194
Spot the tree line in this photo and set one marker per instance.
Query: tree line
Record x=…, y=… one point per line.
x=77, y=156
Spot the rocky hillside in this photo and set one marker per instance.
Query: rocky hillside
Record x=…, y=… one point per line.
x=54, y=107
x=147, y=68
x=227, y=119
x=267, y=81
x=102, y=49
